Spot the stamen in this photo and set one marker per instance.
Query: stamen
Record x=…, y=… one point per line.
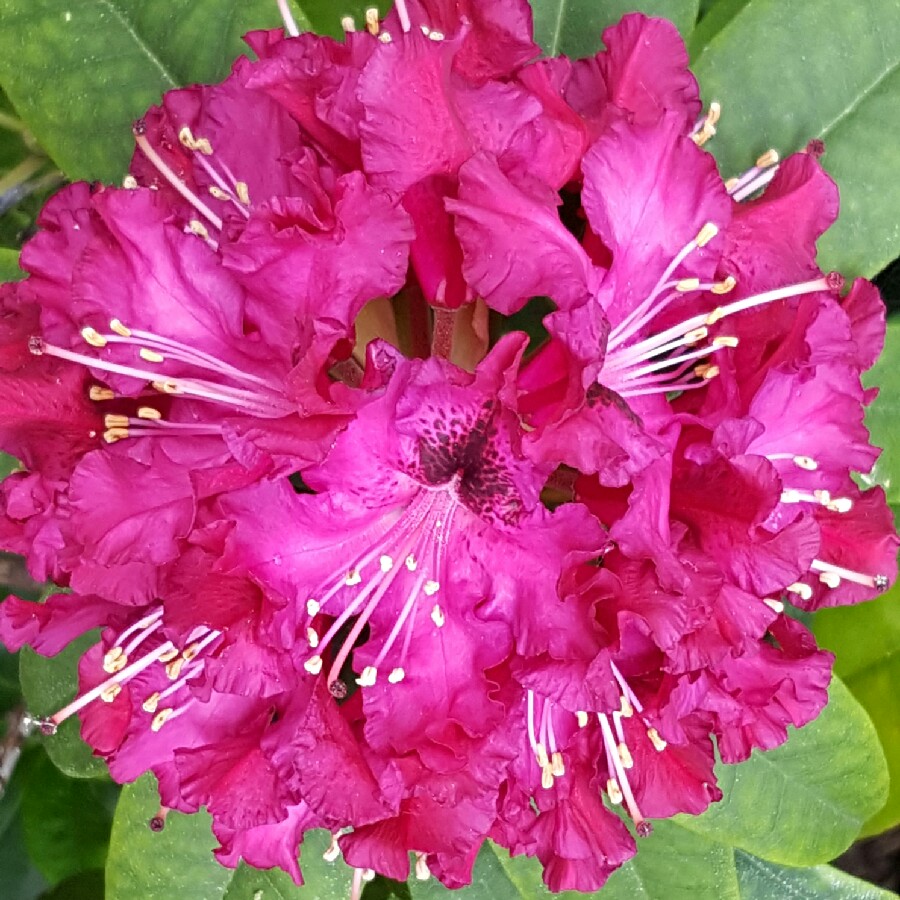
x=437, y=616
x=170, y=176
x=804, y=591
x=706, y=128
x=98, y=393
x=290, y=25
x=879, y=582
x=348, y=26
x=775, y=605
x=400, y=6
x=93, y=337
x=373, y=25
x=658, y=743
x=333, y=851
x=423, y=873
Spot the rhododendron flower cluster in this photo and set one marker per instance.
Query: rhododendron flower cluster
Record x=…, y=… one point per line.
x=358, y=562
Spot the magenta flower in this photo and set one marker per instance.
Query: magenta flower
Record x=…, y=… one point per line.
x=359, y=566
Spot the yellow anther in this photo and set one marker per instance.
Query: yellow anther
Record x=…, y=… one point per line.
x=385, y=37
x=347, y=24
x=397, y=675
x=424, y=29
x=198, y=228
x=166, y=387
x=148, y=412
x=313, y=665
x=546, y=778
x=93, y=337
x=187, y=138
x=706, y=234
x=731, y=184
x=706, y=371
x=437, y=616
x=117, y=326
x=725, y=286
x=714, y=316
x=113, y=421
x=804, y=591
x=769, y=158
x=190, y=652
x=435, y=35
x=625, y=755
x=840, y=505
x=430, y=588
x=111, y=435
x=805, y=462
x=98, y=393
x=169, y=655
x=614, y=792
x=173, y=669
x=107, y=695
x=540, y=752
x=725, y=340
x=204, y=146
x=582, y=717
x=695, y=336
x=312, y=637
x=557, y=766
x=312, y=607
x=151, y=355
x=830, y=579
x=715, y=112
x=373, y=25
x=386, y=563
x=626, y=709
x=160, y=718
x=352, y=577
x=243, y=192
x=218, y=193
x=129, y=182
x=368, y=677
x=150, y=704
x=687, y=284
x=658, y=743
x=775, y=605
x=111, y=660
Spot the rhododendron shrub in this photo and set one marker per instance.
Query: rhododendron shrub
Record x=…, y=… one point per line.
x=359, y=564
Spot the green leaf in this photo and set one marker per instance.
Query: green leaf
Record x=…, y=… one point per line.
x=79, y=73
x=49, y=684
x=9, y=265
x=66, y=821
x=574, y=27
x=83, y=886
x=324, y=880
x=20, y=879
x=883, y=416
x=821, y=68
x=712, y=22
x=866, y=642
x=175, y=862
x=762, y=881
x=804, y=802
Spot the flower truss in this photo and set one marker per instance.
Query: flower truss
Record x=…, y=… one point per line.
x=360, y=567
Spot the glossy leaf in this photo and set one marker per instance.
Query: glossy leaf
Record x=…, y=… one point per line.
x=48, y=685
x=712, y=22
x=79, y=73
x=802, y=803
x=883, y=416
x=762, y=881
x=574, y=27
x=66, y=821
x=866, y=642
x=175, y=862
x=9, y=265
x=821, y=68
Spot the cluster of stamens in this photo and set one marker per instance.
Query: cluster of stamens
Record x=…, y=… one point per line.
x=408, y=557
x=218, y=381
x=180, y=665
x=619, y=760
